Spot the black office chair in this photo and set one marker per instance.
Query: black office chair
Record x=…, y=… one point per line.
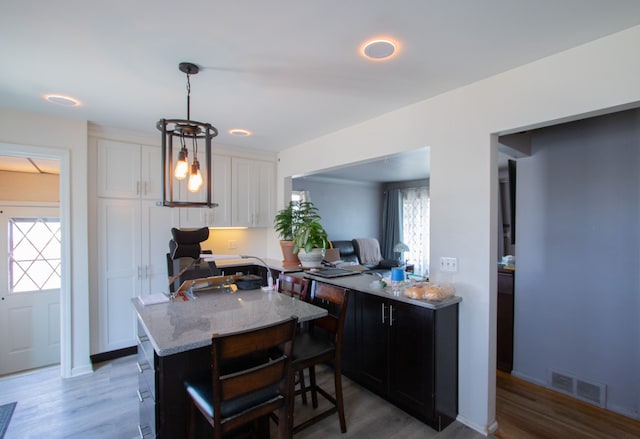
x=186, y=244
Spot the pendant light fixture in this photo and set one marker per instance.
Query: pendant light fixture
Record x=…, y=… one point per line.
x=182, y=183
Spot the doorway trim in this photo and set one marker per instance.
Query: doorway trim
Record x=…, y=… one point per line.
x=63, y=155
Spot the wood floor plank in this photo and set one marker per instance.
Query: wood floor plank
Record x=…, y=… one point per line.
x=525, y=410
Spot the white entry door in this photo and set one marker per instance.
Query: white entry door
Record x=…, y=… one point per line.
x=30, y=271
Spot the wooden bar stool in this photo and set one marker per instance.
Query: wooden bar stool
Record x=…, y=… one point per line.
x=322, y=343
x=246, y=383
x=294, y=286
x=297, y=287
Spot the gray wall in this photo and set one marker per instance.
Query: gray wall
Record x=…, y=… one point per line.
x=348, y=209
x=577, y=303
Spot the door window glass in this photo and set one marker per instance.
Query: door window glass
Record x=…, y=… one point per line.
x=34, y=254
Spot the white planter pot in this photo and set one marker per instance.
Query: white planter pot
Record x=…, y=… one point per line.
x=312, y=259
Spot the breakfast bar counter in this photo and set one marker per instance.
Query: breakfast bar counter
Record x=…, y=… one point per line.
x=179, y=326
x=370, y=284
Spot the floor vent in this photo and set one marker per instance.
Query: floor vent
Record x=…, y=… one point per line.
x=584, y=390
x=561, y=382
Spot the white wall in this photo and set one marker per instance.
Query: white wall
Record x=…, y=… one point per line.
x=577, y=307
x=458, y=126
x=65, y=139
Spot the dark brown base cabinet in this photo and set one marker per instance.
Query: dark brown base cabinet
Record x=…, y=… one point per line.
x=504, y=358
x=405, y=353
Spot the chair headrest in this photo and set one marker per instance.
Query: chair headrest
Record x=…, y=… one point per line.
x=186, y=243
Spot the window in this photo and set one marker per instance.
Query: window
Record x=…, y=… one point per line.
x=415, y=226
x=34, y=254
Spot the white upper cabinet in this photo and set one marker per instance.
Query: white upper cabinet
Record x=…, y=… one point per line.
x=253, y=183
x=129, y=170
x=220, y=193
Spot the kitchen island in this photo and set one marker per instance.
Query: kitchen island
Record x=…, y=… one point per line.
x=174, y=342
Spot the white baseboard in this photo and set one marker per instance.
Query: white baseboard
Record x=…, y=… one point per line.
x=623, y=411
x=611, y=407
x=82, y=370
x=525, y=377
x=482, y=429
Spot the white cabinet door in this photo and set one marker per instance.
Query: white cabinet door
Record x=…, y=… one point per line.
x=220, y=193
x=129, y=170
x=157, y=222
x=151, y=173
x=253, y=190
x=118, y=169
x=120, y=271
x=264, y=190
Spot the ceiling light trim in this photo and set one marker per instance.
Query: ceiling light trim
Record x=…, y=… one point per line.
x=379, y=49
x=62, y=100
x=240, y=132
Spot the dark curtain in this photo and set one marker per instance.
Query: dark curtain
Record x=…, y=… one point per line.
x=391, y=223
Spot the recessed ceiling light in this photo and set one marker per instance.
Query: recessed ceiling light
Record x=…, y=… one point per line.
x=379, y=49
x=65, y=101
x=240, y=132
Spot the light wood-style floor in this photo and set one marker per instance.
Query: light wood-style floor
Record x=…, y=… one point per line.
x=527, y=411
x=104, y=405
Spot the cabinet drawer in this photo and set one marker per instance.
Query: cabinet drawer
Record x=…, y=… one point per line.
x=147, y=400
x=144, y=344
x=146, y=375
x=146, y=413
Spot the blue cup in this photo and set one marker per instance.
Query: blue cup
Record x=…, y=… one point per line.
x=397, y=274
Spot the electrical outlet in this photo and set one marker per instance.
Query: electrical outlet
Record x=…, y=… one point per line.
x=231, y=244
x=448, y=264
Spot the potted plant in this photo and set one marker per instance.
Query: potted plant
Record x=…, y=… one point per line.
x=283, y=224
x=309, y=236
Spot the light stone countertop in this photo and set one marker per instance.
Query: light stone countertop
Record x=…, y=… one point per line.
x=179, y=326
x=368, y=283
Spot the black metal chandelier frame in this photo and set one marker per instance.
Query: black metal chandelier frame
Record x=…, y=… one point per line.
x=185, y=130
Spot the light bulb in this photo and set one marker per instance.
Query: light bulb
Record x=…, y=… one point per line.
x=195, y=179
x=182, y=166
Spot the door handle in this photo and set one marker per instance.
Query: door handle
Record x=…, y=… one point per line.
x=391, y=315
x=383, y=312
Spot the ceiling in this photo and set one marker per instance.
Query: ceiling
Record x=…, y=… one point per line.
x=287, y=70
x=410, y=165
